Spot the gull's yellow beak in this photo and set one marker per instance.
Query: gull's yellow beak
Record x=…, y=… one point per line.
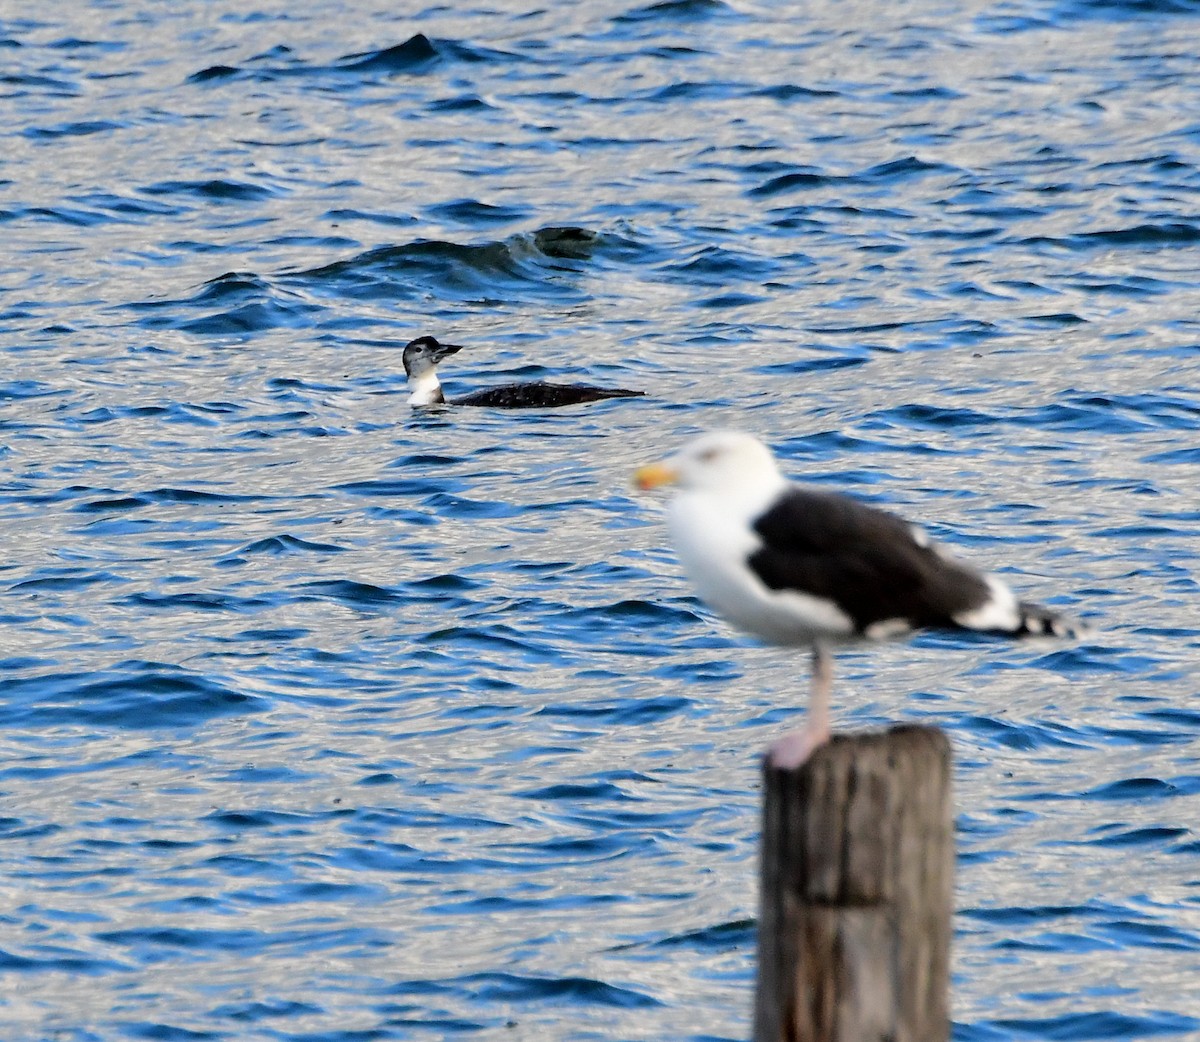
x=655, y=474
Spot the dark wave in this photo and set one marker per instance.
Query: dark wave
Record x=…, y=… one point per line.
x=1118, y=836
x=1141, y=788
x=1120, y=10
x=814, y=364
x=374, y=217
x=214, y=72
x=218, y=189
x=193, y=601
x=391, y=487
x=287, y=544
x=792, y=91
x=676, y=11
x=463, y=103
x=577, y=793
x=193, y=414
x=1174, y=456
x=143, y=939
x=628, y=712
x=1009, y=734
x=890, y=172
x=73, y=216
x=23, y=389
x=500, y=638
x=348, y=591
x=919, y=416
x=416, y=56
x=722, y=937
x=474, y=214
x=688, y=91
x=543, y=265
x=40, y=84
x=1149, y=235
x=79, y=128
x=244, y=303
x=62, y=962
x=57, y=579
x=718, y=265
x=417, y=52
x=1084, y=1026
x=249, y=1011
x=133, y=695
x=521, y=988
x=1032, y=915
x=112, y=500
x=793, y=181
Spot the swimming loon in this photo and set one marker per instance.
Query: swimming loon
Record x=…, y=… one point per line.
x=421, y=357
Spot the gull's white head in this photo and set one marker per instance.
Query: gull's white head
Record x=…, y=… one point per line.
x=722, y=463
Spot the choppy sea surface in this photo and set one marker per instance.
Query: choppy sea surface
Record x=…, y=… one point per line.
x=322, y=718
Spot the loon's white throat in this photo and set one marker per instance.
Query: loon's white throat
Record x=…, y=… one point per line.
x=426, y=389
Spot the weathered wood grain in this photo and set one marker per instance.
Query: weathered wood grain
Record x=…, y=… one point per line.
x=857, y=892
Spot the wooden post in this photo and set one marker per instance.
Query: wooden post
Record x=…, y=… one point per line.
x=857, y=882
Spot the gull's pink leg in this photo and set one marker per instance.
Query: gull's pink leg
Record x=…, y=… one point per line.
x=795, y=747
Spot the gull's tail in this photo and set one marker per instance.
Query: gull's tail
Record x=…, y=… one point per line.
x=1037, y=620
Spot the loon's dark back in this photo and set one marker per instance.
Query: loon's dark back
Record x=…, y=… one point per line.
x=540, y=395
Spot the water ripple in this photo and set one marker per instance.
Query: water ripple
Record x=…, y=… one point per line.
x=393, y=724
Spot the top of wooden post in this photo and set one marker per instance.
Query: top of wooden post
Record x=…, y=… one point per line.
x=857, y=892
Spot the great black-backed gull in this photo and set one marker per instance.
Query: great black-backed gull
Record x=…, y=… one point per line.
x=799, y=566
x=421, y=358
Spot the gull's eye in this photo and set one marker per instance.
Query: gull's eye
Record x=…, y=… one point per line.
x=709, y=455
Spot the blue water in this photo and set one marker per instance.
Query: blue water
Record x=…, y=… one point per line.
x=322, y=719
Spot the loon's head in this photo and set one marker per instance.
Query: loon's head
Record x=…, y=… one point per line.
x=424, y=353
x=421, y=357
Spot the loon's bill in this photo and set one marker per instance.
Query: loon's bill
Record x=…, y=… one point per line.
x=421, y=358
